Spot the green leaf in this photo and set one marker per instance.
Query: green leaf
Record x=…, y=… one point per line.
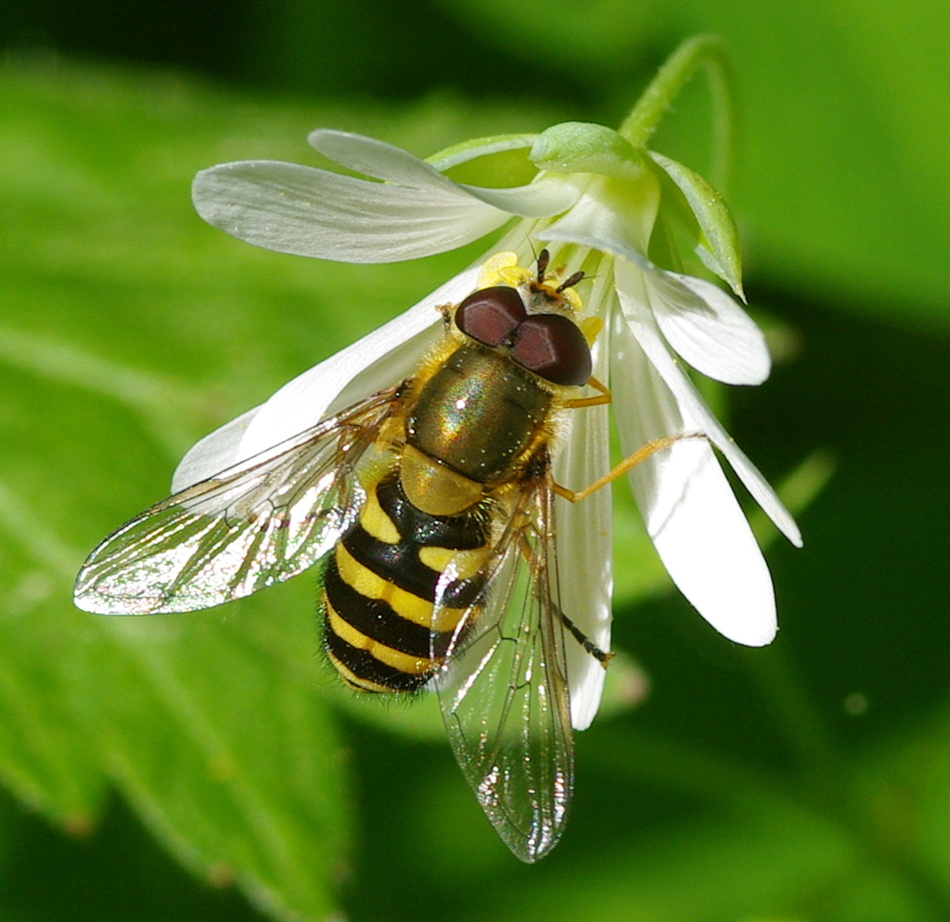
x=713, y=868
x=221, y=741
x=45, y=757
x=130, y=329
x=769, y=863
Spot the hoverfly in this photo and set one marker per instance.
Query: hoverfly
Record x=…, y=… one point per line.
x=432, y=502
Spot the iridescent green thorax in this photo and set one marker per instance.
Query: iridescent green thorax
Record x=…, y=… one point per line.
x=478, y=414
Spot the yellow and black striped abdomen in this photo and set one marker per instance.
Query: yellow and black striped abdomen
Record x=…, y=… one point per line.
x=380, y=584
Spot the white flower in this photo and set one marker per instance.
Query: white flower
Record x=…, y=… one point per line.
x=596, y=202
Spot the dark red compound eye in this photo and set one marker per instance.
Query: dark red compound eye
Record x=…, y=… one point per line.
x=491, y=315
x=552, y=346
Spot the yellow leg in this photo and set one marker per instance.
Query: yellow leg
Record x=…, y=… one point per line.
x=603, y=397
x=641, y=454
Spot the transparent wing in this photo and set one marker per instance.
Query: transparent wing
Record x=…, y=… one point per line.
x=254, y=524
x=504, y=695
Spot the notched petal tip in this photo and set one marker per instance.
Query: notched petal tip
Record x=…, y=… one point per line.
x=709, y=329
x=304, y=211
x=378, y=159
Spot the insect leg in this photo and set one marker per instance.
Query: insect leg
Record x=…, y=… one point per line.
x=604, y=396
x=602, y=656
x=628, y=463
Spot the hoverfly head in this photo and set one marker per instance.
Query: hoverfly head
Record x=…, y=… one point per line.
x=533, y=321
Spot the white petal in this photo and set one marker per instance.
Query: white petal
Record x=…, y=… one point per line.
x=639, y=318
x=550, y=195
x=701, y=322
x=618, y=222
x=374, y=362
x=543, y=198
x=708, y=329
x=689, y=509
x=309, y=212
x=213, y=453
x=378, y=159
x=584, y=546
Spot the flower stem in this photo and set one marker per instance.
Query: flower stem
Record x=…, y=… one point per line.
x=700, y=51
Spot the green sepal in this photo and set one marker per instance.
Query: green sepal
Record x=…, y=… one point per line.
x=718, y=246
x=472, y=149
x=583, y=147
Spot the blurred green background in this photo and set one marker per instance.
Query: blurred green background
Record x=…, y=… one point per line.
x=206, y=766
